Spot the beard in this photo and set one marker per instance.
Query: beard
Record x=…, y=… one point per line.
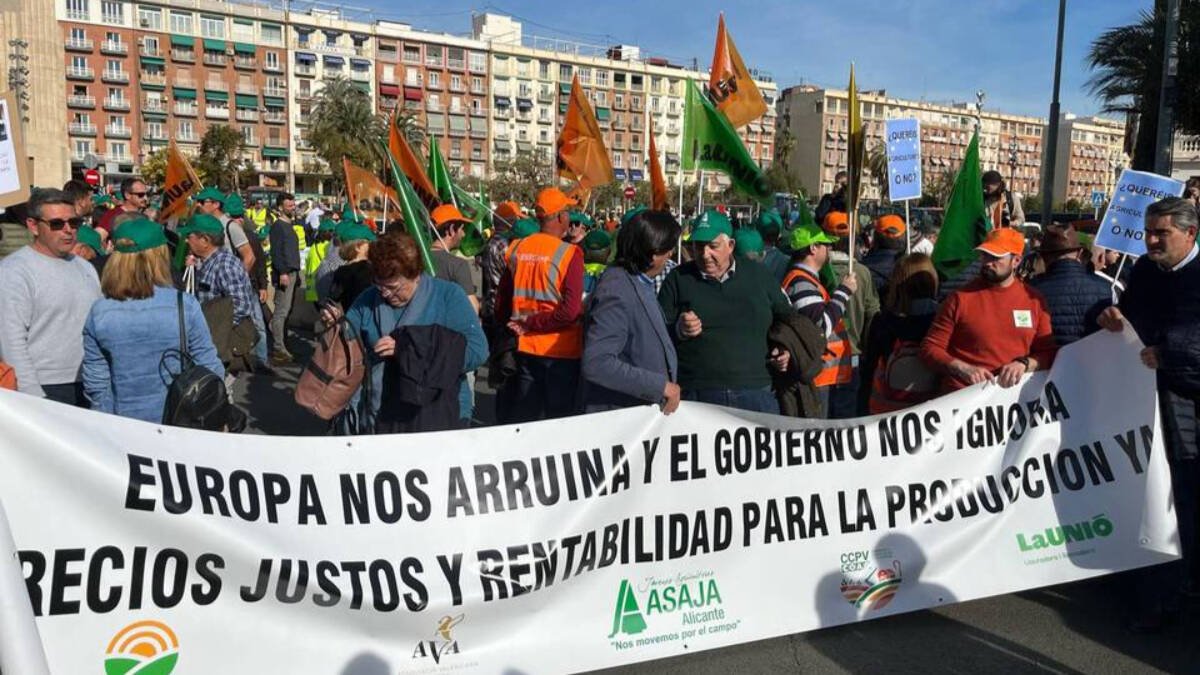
x=994, y=277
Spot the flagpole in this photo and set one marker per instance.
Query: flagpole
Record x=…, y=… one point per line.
x=700, y=193
x=907, y=230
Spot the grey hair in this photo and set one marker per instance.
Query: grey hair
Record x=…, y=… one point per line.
x=44, y=197
x=1181, y=211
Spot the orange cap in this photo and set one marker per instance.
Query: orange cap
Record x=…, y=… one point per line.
x=551, y=200
x=1003, y=241
x=447, y=213
x=510, y=211
x=836, y=223
x=890, y=226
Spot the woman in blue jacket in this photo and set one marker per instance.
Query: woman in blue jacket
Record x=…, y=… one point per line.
x=131, y=337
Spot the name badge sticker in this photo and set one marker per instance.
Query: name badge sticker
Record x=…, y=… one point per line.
x=1023, y=318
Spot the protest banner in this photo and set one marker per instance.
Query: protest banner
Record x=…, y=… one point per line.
x=572, y=544
x=903, y=138
x=1123, y=227
x=180, y=183
x=15, y=168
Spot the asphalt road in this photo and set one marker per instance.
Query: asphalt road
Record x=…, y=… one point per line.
x=1073, y=628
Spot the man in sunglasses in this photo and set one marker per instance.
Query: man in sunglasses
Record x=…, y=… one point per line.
x=46, y=293
x=135, y=197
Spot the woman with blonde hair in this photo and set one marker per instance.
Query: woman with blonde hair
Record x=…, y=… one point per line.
x=893, y=375
x=131, y=338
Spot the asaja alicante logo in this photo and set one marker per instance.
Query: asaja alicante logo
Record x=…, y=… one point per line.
x=142, y=648
x=870, y=579
x=665, y=597
x=443, y=642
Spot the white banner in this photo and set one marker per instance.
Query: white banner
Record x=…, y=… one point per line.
x=572, y=544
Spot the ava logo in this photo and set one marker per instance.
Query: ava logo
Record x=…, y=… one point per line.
x=870, y=579
x=627, y=617
x=443, y=644
x=142, y=648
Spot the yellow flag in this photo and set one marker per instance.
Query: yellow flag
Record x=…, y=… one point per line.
x=181, y=183
x=730, y=85
x=658, y=185
x=854, y=159
x=582, y=156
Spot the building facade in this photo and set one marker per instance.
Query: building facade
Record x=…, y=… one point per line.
x=32, y=52
x=1090, y=157
x=1185, y=157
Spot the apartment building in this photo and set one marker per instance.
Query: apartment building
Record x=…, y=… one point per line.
x=1090, y=157
x=1185, y=157
x=818, y=120
x=140, y=73
x=33, y=53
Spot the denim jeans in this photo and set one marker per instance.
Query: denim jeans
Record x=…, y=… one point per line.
x=543, y=388
x=754, y=400
x=260, y=349
x=843, y=398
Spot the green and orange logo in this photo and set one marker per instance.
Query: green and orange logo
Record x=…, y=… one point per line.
x=870, y=579
x=142, y=648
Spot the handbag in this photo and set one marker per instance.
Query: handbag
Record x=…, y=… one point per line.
x=196, y=396
x=335, y=371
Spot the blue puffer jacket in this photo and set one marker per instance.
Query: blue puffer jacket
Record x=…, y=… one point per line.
x=881, y=262
x=123, y=344
x=1075, y=298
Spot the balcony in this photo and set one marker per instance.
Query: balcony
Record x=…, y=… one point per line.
x=154, y=105
x=275, y=164
x=458, y=88
x=118, y=131
x=250, y=141
x=274, y=117
x=153, y=79
x=454, y=64
x=360, y=75
x=304, y=70
x=76, y=73
x=277, y=92
x=82, y=129
x=479, y=67
x=478, y=112
x=186, y=109
x=433, y=106
x=76, y=101
x=153, y=52
x=502, y=113
x=189, y=137
x=270, y=67
x=216, y=113
x=183, y=55
x=112, y=103
x=245, y=62
x=478, y=133
x=246, y=115
x=247, y=88
x=112, y=47
x=274, y=142
x=79, y=45
x=215, y=59
x=434, y=86
x=118, y=76
x=154, y=135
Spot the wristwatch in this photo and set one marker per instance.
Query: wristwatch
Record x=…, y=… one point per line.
x=1024, y=360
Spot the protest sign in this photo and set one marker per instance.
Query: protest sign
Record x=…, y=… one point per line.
x=1123, y=227
x=903, y=159
x=14, y=165
x=573, y=544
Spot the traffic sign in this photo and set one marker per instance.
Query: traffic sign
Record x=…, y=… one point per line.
x=91, y=177
x=1098, y=198
x=90, y=161
x=629, y=192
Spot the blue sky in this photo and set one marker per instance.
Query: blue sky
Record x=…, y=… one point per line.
x=939, y=50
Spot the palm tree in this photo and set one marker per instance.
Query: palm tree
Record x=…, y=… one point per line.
x=343, y=123
x=1126, y=62
x=411, y=128
x=877, y=167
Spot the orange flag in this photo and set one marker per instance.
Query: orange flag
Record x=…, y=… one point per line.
x=730, y=85
x=407, y=160
x=658, y=185
x=362, y=184
x=581, y=153
x=181, y=182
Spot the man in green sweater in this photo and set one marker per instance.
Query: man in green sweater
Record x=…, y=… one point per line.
x=718, y=313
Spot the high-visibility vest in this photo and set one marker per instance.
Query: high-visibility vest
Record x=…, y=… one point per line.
x=837, y=367
x=538, y=265
x=315, y=256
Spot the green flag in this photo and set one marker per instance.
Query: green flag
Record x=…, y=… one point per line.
x=473, y=241
x=711, y=142
x=349, y=215
x=416, y=218
x=965, y=223
x=439, y=174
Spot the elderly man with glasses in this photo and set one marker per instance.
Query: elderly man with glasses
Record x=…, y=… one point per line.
x=46, y=293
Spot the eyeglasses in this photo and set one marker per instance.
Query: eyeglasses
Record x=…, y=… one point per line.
x=59, y=223
x=393, y=289
x=137, y=194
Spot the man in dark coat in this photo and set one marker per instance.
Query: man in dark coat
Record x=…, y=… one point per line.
x=1075, y=296
x=886, y=246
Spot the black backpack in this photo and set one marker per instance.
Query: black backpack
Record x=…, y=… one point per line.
x=196, y=396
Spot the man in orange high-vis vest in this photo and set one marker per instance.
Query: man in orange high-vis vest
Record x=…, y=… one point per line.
x=540, y=299
x=810, y=251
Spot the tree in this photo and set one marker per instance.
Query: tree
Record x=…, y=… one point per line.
x=220, y=159
x=1032, y=204
x=409, y=124
x=937, y=191
x=1126, y=62
x=877, y=167
x=519, y=178
x=343, y=123
x=154, y=168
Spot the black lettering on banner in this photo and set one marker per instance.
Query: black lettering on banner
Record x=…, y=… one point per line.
x=33, y=577
x=310, y=501
x=355, y=569
x=96, y=602
x=282, y=594
x=210, y=489
x=247, y=507
x=176, y=494
x=137, y=571
x=276, y=492
x=63, y=579
x=649, y=449
x=355, y=506
x=516, y=480
x=389, y=499
x=418, y=597
x=327, y=573
x=259, y=591
x=207, y=592
x=419, y=507
x=459, y=498
x=452, y=570
x=138, y=477
x=385, y=595
x=158, y=579
x=491, y=575
x=516, y=570
x=487, y=488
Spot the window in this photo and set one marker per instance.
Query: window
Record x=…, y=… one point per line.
x=523, y=67
x=243, y=30
x=457, y=57
x=112, y=38
x=412, y=54
x=387, y=73
x=619, y=100
x=83, y=148
x=111, y=11
x=601, y=98
x=456, y=83
x=544, y=135
x=617, y=161
x=524, y=90
x=212, y=26
x=77, y=9
x=185, y=129
x=456, y=104
x=435, y=79
x=112, y=66
x=79, y=90
x=412, y=77
x=477, y=85
x=116, y=121
x=82, y=119
x=248, y=134
x=154, y=129
x=78, y=36
x=585, y=75
x=386, y=52
x=601, y=78
x=150, y=46
x=116, y=94
x=544, y=70
x=181, y=22
x=118, y=151
x=478, y=62
x=564, y=72
x=272, y=33
x=433, y=55
x=271, y=60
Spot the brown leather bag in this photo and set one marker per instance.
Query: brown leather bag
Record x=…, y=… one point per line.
x=333, y=374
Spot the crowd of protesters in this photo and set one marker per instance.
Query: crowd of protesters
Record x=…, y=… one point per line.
x=105, y=307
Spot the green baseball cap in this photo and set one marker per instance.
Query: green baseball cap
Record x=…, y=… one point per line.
x=806, y=235
x=211, y=193
x=628, y=216
x=141, y=234
x=710, y=225
x=234, y=206
x=355, y=232
x=327, y=225
x=769, y=222
x=88, y=236
x=748, y=240
x=579, y=217
x=101, y=200
x=201, y=223
x=525, y=227
x=596, y=240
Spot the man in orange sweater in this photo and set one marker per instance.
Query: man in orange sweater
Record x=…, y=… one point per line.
x=996, y=328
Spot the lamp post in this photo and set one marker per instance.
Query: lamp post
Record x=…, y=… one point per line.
x=1012, y=163
x=1051, y=146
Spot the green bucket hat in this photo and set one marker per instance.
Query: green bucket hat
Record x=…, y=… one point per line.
x=141, y=234
x=234, y=206
x=201, y=223
x=88, y=236
x=769, y=223
x=355, y=232
x=596, y=240
x=747, y=240
x=710, y=225
x=806, y=235
x=211, y=193
x=327, y=225
x=524, y=227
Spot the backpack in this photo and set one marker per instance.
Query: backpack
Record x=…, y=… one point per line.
x=902, y=379
x=196, y=396
x=334, y=373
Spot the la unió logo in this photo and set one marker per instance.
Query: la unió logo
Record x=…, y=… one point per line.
x=443, y=643
x=870, y=579
x=142, y=648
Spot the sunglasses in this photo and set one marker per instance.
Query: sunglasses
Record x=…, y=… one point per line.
x=59, y=223
x=137, y=194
